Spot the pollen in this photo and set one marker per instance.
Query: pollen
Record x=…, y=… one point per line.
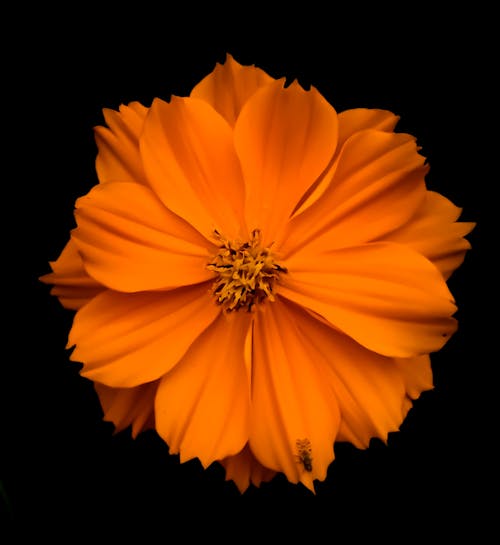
x=246, y=273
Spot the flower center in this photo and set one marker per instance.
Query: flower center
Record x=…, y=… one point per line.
x=246, y=273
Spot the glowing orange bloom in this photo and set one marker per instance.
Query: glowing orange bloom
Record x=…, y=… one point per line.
x=257, y=276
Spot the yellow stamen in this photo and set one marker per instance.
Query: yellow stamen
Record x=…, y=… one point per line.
x=246, y=273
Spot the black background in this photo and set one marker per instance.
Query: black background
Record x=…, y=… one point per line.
x=61, y=466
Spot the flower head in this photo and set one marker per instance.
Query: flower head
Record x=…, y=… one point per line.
x=257, y=276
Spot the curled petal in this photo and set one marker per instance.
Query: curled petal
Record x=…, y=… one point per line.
x=124, y=340
x=244, y=469
x=71, y=283
x=126, y=407
x=229, y=86
x=377, y=184
x=118, y=158
x=202, y=406
x=295, y=419
x=435, y=232
x=385, y=296
x=284, y=139
x=130, y=242
x=190, y=162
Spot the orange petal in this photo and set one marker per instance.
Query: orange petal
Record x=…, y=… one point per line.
x=350, y=122
x=385, y=296
x=360, y=119
x=130, y=242
x=417, y=374
x=435, y=233
x=190, y=162
x=243, y=468
x=284, y=139
x=292, y=406
x=72, y=285
x=368, y=388
x=126, y=407
x=202, y=405
x=377, y=184
x=118, y=158
x=124, y=340
x=229, y=86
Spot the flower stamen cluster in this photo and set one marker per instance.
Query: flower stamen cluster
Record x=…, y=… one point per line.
x=246, y=273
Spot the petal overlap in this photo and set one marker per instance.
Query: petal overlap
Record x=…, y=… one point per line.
x=435, y=232
x=349, y=123
x=284, y=138
x=130, y=242
x=125, y=340
x=203, y=404
x=128, y=407
x=290, y=401
x=370, y=390
x=229, y=87
x=190, y=163
x=385, y=296
x=377, y=184
x=71, y=283
x=118, y=158
x=243, y=469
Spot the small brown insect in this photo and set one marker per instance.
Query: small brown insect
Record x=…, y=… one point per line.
x=304, y=453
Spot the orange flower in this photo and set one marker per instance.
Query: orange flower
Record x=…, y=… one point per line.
x=257, y=276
